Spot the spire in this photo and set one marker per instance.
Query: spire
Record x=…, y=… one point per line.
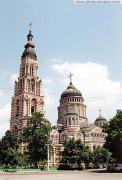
x=29, y=47
x=30, y=36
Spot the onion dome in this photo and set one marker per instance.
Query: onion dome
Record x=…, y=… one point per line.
x=100, y=121
x=71, y=90
x=29, y=47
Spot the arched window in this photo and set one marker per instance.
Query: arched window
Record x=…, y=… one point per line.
x=73, y=121
x=76, y=120
x=32, y=71
x=20, y=85
x=69, y=121
x=26, y=69
x=17, y=108
x=23, y=70
x=33, y=106
x=28, y=87
x=32, y=85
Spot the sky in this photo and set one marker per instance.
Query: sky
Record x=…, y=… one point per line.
x=83, y=39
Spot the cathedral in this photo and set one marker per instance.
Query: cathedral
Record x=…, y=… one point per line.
x=72, y=118
x=73, y=123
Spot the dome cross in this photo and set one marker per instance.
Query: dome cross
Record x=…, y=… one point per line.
x=100, y=111
x=70, y=77
x=30, y=26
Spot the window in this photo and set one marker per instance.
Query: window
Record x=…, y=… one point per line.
x=69, y=121
x=33, y=106
x=73, y=120
x=17, y=108
x=32, y=85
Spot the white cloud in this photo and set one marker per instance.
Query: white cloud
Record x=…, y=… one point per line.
x=1, y=93
x=47, y=82
x=4, y=118
x=13, y=77
x=54, y=60
x=50, y=106
x=95, y=84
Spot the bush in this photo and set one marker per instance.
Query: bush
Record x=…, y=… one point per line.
x=96, y=166
x=89, y=166
x=42, y=165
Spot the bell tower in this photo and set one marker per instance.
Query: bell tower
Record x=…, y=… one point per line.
x=27, y=92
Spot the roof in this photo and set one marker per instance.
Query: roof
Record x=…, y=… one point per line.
x=100, y=118
x=29, y=47
x=71, y=91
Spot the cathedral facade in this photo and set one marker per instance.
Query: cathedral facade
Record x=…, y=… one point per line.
x=27, y=92
x=72, y=118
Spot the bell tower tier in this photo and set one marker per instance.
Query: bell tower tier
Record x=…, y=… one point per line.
x=27, y=92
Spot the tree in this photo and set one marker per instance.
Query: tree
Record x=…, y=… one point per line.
x=9, y=149
x=114, y=136
x=75, y=153
x=36, y=135
x=100, y=156
x=87, y=156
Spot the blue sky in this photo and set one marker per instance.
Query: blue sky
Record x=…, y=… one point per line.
x=65, y=35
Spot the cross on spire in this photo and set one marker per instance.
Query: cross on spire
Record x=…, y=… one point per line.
x=30, y=26
x=30, y=36
x=100, y=112
x=70, y=76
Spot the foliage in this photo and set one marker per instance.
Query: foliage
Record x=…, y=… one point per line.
x=74, y=154
x=42, y=165
x=36, y=135
x=100, y=156
x=114, y=136
x=9, y=150
x=87, y=156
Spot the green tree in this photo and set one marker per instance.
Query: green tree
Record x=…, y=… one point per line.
x=36, y=135
x=114, y=136
x=9, y=149
x=87, y=156
x=75, y=153
x=100, y=156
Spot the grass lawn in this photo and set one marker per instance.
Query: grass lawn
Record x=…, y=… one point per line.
x=25, y=169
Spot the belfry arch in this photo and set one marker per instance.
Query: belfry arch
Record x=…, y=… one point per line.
x=33, y=105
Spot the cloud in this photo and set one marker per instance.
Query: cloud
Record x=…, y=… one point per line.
x=4, y=118
x=13, y=77
x=54, y=60
x=1, y=93
x=93, y=80
x=50, y=102
x=47, y=82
